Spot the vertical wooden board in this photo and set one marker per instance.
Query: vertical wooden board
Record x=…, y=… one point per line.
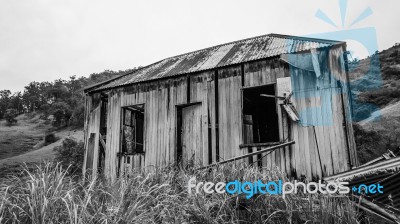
x=221, y=118
x=191, y=140
x=167, y=127
x=181, y=91
x=156, y=137
x=150, y=128
x=96, y=127
x=113, y=134
x=285, y=137
x=254, y=149
x=110, y=126
x=315, y=149
x=89, y=151
x=230, y=113
x=211, y=113
x=237, y=119
x=164, y=129
x=326, y=116
x=161, y=128
x=228, y=116
x=322, y=147
x=303, y=154
x=199, y=93
x=336, y=134
x=88, y=100
x=108, y=142
x=173, y=123
x=332, y=138
x=309, y=90
x=155, y=127
x=295, y=153
x=337, y=127
x=305, y=130
x=259, y=73
x=280, y=156
x=340, y=129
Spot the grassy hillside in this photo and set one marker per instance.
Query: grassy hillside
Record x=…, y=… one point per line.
x=376, y=91
x=23, y=142
x=22, y=136
x=376, y=79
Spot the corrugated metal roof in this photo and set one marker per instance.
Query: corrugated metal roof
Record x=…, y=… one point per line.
x=218, y=56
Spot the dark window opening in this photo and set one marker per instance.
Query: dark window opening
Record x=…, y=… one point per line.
x=260, y=118
x=133, y=129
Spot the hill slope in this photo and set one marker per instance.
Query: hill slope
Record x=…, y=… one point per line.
x=23, y=143
x=376, y=87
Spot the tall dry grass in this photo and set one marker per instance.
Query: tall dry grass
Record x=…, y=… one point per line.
x=49, y=195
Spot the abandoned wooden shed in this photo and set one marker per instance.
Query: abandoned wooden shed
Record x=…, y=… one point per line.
x=227, y=101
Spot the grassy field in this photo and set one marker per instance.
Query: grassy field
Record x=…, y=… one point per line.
x=23, y=143
x=21, y=137
x=49, y=195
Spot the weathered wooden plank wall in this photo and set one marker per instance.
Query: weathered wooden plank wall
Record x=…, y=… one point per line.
x=321, y=147
x=320, y=150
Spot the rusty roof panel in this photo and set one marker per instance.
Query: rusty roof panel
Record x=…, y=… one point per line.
x=214, y=57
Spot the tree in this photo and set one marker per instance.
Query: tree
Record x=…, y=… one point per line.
x=61, y=112
x=16, y=102
x=10, y=116
x=4, y=102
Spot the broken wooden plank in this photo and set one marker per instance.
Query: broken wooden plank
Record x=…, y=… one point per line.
x=251, y=154
x=102, y=141
x=384, y=156
x=375, y=209
x=258, y=144
x=291, y=111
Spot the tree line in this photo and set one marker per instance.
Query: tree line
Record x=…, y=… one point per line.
x=62, y=100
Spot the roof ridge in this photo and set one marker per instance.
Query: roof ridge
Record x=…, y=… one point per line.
x=305, y=38
x=219, y=45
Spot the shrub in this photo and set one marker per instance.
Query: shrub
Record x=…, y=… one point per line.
x=78, y=116
x=45, y=109
x=71, y=153
x=49, y=138
x=10, y=116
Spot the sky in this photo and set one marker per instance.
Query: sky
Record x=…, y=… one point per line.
x=44, y=40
